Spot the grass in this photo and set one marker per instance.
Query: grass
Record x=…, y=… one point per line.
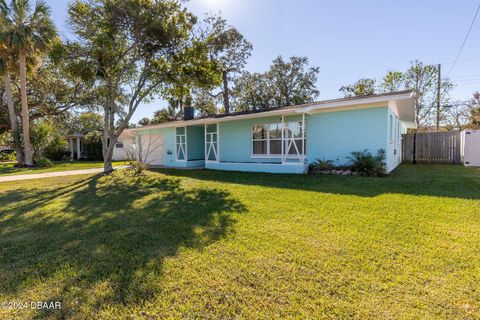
x=207, y=244
x=7, y=169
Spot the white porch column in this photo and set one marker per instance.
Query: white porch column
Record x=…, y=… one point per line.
x=70, y=145
x=78, y=148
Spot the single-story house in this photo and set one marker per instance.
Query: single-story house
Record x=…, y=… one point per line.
x=120, y=152
x=281, y=140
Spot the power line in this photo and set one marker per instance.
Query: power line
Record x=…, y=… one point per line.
x=464, y=41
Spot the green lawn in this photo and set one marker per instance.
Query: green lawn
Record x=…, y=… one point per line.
x=221, y=245
x=7, y=169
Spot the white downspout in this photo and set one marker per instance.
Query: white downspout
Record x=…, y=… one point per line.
x=303, y=138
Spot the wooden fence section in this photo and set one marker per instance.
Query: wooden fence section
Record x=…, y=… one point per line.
x=432, y=147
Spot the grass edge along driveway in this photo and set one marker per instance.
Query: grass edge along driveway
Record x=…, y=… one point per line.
x=8, y=169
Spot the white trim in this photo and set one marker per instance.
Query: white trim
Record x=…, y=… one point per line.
x=183, y=145
x=285, y=141
x=209, y=146
x=218, y=142
x=303, y=137
x=360, y=101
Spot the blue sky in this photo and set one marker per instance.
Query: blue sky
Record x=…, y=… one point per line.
x=348, y=40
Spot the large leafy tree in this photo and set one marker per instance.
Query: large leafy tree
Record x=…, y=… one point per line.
x=128, y=50
x=228, y=49
x=362, y=87
x=422, y=79
x=254, y=91
x=294, y=81
x=285, y=83
x=195, y=74
x=28, y=32
x=474, y=105
x=165, y=115
x=392, y=81
x=54, y=90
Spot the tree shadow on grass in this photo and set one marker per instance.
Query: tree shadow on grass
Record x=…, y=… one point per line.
x=430, y=180
x=107, y=234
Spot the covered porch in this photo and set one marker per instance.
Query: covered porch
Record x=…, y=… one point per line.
x=75, y=145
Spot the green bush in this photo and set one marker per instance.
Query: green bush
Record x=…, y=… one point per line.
x=43, y=163
x=47, y=141
x=92, y=146
x=366, y=164
x=7, y=156
x=57, y=149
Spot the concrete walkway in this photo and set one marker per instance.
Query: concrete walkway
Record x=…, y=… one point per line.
x=19, y=177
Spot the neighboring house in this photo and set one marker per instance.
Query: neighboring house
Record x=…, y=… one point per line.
x=124, y=148
x=282, y=140
x=120, y=152
x=75, y=145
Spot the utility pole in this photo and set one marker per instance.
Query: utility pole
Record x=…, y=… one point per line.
x=438, y=96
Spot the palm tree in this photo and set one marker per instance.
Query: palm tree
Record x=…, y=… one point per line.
x=11, y=109
x=4, y=63
x=29, y=34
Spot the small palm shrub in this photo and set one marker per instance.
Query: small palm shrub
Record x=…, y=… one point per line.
x=321, y=165
x=367, y=164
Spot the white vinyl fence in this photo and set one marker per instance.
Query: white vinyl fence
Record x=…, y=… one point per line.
x=471, y=148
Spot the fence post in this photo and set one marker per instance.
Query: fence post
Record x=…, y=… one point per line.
x=414, y=148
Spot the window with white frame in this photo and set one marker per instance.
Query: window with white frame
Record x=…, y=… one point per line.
x=267, y=139
x=181, y=144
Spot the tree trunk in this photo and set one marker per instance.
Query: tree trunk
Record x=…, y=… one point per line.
x=109, y=138
x=226, y=94
x=27, y=144
x=13, y=116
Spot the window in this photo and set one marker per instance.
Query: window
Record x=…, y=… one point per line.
x=267, y=139
x=181, y=144
x=119, y=145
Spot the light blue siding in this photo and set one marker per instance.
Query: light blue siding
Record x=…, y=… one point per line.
x=334, y=135
x=196, y=143
x=256, y=167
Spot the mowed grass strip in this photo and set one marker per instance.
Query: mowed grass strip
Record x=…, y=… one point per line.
x=208, y=244
x=8, y=169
